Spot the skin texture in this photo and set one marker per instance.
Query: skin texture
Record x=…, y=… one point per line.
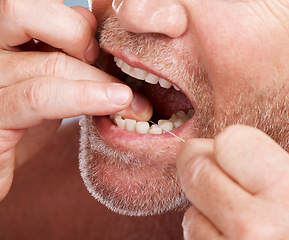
x=42, y=87
x=230, y=58
x=242, y=84
x=220, y=179
x=48, y=194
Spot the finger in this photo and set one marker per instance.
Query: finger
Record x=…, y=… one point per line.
x=207, y=187
x=140, y=109
x=197, y=226
x=88, y=16
x=43, y=47
x=8, y=139
x=56, y=25
x=19, y=66
x=252, y=158
x=6, y=172
x=32, y=101
x=92, y=51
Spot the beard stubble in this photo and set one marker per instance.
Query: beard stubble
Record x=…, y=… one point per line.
x=117, y=179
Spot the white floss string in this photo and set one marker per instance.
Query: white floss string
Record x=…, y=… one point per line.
x=182, y=140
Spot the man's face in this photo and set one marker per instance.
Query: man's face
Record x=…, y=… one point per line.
x=228, y=57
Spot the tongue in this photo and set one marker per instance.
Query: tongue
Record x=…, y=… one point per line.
x=166, y=101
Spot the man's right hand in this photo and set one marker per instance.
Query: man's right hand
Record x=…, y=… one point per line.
x=39, y=88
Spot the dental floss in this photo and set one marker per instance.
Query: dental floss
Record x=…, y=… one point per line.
x=182, y=140
x=168, y=132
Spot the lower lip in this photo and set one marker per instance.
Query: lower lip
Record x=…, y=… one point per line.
x=122, y=138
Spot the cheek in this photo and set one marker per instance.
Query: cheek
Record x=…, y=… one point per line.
x=239, y=49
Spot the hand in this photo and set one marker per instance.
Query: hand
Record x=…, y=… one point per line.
x=237, y=184
x=39, y=88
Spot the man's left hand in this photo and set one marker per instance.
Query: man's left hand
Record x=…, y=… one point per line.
x=238, y=185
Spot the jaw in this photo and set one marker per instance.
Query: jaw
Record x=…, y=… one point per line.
x=132, y=173
x=135, y=173
x=139, y=178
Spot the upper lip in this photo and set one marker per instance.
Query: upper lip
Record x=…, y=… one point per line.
x=136, y=63
x=133, y=61
x=185, y=131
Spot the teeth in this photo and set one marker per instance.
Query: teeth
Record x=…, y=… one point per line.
x=155, y=130
x=178, y=122
x=142, y=127
x=120, y=122
x=143, y=75
x=130, y=124
x=166, y=125
x=164, y=83
x=191, y=113
x=126, y=68
x=118, y=62
x=182, y=115
x=153, y=79
x=163, y=126
x=139, y=73
x=176, y=88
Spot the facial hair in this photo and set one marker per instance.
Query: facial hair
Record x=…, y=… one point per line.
x=127, y=184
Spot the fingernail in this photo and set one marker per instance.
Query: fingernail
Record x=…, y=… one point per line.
x=92, y=51
x=119, y=94
x=140, y=105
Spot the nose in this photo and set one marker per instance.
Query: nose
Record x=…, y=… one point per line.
x=168, y=17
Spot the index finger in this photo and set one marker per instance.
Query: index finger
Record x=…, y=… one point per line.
x=51, y=22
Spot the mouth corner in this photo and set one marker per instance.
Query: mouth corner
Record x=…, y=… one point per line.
x=172, y=107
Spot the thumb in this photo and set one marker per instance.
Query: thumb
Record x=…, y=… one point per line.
x=251, y=158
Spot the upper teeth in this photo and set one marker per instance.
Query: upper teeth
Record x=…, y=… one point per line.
x=143, y=75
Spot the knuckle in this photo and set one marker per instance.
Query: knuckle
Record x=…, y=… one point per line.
x=81, y=31
x=14, y=10
x=196, y=170
x=251, y=228
x=8, y=8
x=244, y=226
x=37, y=95
x=55, y=65
x=195, y=175
x=82, y=95
x=8, y=139
x=241, y=227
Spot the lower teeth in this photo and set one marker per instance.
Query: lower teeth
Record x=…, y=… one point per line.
x=163, y=126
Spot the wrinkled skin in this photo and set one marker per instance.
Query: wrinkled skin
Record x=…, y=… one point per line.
x=242, y=83
x=241, y=50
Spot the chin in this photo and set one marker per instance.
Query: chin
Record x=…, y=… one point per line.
x=133, y=178
x=130, y=166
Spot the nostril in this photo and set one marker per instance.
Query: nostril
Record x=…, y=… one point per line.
x=151, y=16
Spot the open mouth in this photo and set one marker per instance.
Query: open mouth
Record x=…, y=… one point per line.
x=171, y=107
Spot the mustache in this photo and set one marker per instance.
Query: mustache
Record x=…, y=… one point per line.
x=264, y=109
x=167, y=55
